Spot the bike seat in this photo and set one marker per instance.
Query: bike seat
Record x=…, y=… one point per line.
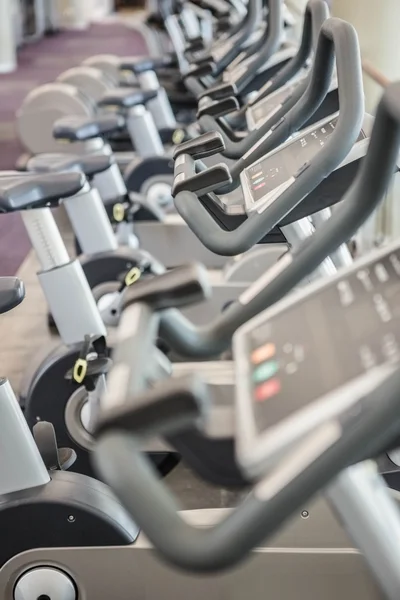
x=138, y=64
x=126, y=97
x=53, y=163
x=29, y=190
x=12, y=292
x=80, y=129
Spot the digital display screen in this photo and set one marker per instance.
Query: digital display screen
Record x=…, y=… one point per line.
x=262, y=109
x=325, y=341
x=274, y=170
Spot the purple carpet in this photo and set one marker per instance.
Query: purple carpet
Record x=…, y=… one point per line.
x=41, y=63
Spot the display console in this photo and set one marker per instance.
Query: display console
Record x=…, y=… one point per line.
x=279, y=168
x=305, y=351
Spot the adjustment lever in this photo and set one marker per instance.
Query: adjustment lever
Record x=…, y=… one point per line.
x=219, y=92
x=202, y=146
x=201, y=70
x=92, y=362
x=217, y=108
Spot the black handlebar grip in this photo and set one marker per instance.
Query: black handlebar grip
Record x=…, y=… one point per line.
x=218, y=109
x=316, y=13
x=173, y=406
x=178, y=287
x=249, y=25
x=329, y=449
x=319, y=13
x=219, y=91
x=201, y=70
x=176, y=405
x=266, y=50
x=201, y=146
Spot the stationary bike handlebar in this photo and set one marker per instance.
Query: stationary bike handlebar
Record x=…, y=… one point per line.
x=235, y=146
x=256, y=55
x=316, y=13
x=263, y=51
x=335, y=35
x=250, y=24
x=338, y=38
x=132, y=416
x=238, y=39
x=129, y=417
x=358, y=203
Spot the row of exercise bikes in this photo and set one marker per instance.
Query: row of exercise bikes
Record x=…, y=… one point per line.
x=213, y=193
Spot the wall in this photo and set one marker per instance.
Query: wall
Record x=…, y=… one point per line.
x=9, y=31
x=377, y=25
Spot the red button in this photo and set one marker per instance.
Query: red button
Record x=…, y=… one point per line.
x=268, y=389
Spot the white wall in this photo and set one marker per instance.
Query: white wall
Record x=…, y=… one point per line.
x=8, y=35
x=377, y=25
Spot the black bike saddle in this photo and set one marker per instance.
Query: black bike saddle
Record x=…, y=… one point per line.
x=12, y=292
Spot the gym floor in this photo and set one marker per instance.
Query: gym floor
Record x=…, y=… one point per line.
x=25, y=328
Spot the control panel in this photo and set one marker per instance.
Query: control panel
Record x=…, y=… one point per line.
x=273, y=64
x=295, y=361
x=260, y=111
x=264, y=109
x=264, y=180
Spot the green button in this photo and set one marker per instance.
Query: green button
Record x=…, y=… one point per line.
x=265, y=371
